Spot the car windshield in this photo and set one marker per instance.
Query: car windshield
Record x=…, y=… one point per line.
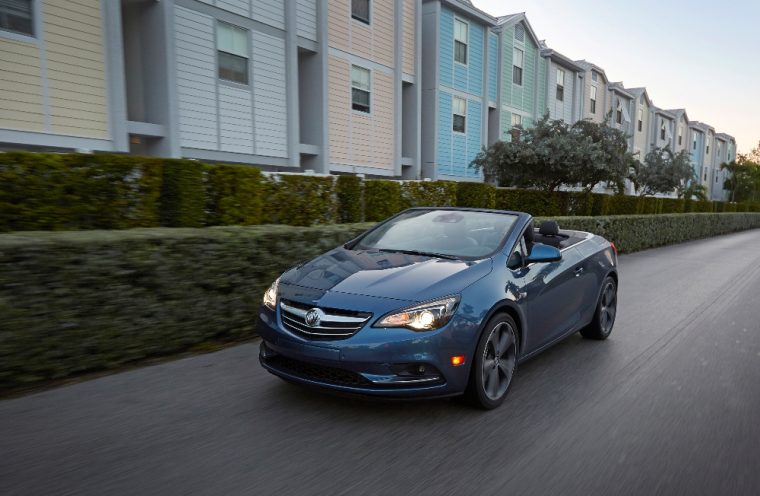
x=448, y=233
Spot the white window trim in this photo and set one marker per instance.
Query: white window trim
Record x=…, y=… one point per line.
x=36, y=22
x=453, y=99
x=371, y=92
x=454, y=42
x=249, y=65
x=521, y=66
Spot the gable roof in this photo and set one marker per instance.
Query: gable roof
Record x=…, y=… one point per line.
x=617, y=87
x=726, y=137
x=588, y=66
x=678, y=113
x=701, y=126
x=637, y=92
x=468, y=9
x=664, y=113
x=512, y=19
x=560, y=59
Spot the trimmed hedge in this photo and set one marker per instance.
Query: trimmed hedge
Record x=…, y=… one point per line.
x=233, y=195
x=428, y=194
x=75, y=302
x=350, y=194
x=477, y=195
x=300, y=200
x=381, y=199
x=182, y=194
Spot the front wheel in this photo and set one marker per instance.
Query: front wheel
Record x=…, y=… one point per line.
x=606, y=309
x=495, y=363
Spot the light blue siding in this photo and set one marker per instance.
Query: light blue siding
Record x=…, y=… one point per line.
x=474, y=137
x=475, y=64
x=463, y=77
x=444, y=133
x=493, y=65
x=446, y=48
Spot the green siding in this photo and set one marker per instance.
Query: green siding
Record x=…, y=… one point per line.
x=521, y=98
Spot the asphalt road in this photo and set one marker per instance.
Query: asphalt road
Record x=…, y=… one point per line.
x=670, y=404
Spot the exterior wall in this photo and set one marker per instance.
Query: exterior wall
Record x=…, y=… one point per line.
x=682, y=124
x=520, y=99
x=359, y=141
x=697, y=152
x=221, y=116
x=55, y=83
x=493, y=67
x=628, y=106
x=657, y=141
x=306, y=12
x=409, y=36
x=641, y=138
x=564, y=109
x=588, y=82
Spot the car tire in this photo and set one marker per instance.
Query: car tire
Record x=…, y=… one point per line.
x=494, y=363
x=606, y=310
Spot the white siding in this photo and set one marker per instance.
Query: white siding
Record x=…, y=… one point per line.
x=242, y=7
x=196, y=79
x=269, y=95
x=270, y=12
x=236, y=121
x=306, y=15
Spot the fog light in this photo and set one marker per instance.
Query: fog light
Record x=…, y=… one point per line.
x=457, y=360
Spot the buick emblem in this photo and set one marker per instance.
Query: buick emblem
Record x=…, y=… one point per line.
x=314, y=317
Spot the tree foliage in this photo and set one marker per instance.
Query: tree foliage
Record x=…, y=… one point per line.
x=553, y=153
x=664, y=171
x=744, y=177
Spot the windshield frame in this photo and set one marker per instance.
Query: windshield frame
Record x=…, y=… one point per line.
x=352, y=245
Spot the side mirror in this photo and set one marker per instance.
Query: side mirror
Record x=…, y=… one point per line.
x=544, y=253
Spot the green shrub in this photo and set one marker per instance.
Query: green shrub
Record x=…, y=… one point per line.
x=381, y=199
x=698, y=206
x=80, y=301
x=233, y=195
x=538, y=203
x=182, y=195
x=428, y=194
x=673, y=206
x=620, y=205
x=578, y=203
x=78, y=191
x=349, y=192
x=300, y=200
x=476, y=195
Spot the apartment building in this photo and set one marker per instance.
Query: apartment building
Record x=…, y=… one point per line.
x=642, y=106
x=564, y=85
x=663, y=123
x=679, y=141
x=594, y=103
x=523, y=75
x=459, y=87
x=697, y=139
x=621, y=108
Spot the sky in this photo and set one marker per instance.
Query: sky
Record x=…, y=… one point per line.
x=698, y=55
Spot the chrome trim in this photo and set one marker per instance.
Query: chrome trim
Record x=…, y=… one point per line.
x=294, y=320
x=328, y=317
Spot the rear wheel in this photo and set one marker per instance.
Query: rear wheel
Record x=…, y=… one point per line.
x=495, y=362
x=606, y=310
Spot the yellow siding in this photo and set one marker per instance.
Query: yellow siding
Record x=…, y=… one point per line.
x=357, y=138
x=383, y=35
x=410, y=9
x=76, y=68
x=375, y=42
x=20, y=87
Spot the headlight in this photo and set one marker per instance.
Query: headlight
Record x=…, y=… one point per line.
x=270, y=296
x=423, y=317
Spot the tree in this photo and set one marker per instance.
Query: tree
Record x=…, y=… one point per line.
x=744, y=178
x=554, y=153
x=664, y=171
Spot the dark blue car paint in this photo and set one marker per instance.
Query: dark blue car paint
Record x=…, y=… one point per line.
x=549, y=301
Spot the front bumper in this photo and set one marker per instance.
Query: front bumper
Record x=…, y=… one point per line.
x=377, y=362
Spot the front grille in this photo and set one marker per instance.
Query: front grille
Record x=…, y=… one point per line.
x=318, y=373
x=333, y=323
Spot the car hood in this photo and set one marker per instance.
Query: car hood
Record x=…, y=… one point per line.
x=386, y=275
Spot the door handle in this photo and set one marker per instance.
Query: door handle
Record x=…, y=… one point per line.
x=578, y=271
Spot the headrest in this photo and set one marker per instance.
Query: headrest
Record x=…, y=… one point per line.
x=549, y=228
x=529, y=238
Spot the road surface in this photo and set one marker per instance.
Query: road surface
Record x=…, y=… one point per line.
x=670, y=404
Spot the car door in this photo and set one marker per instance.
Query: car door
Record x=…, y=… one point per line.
x=554, y=298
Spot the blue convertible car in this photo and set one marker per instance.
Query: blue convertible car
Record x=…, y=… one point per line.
x=437, y=302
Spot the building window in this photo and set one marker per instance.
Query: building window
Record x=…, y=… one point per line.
x=704, y=172
x=232, y=52
x=694, y=142
x=594, y=76
x=517, y=67
x=520, y=33
x=707, y=149
x=680, y=135
x=459, y=124
x=641, y=119
x=360, y=89
x=718, y=150
x=461, y=29
x=560, y=85
x=17, y=16
x=360, y=10
x=619, y=112
x=516, y=120
x=593, y=100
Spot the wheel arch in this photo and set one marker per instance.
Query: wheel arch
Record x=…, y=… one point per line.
x=512, y=309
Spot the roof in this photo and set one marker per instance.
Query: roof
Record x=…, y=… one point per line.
x=724, y=137
x=701, y=126
x=467, y=8
x=678, y=112
x=512, y=19
x=637, y=92
x=663, y=112
x=561, y=59
x=618, y=88
x=591, y=66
